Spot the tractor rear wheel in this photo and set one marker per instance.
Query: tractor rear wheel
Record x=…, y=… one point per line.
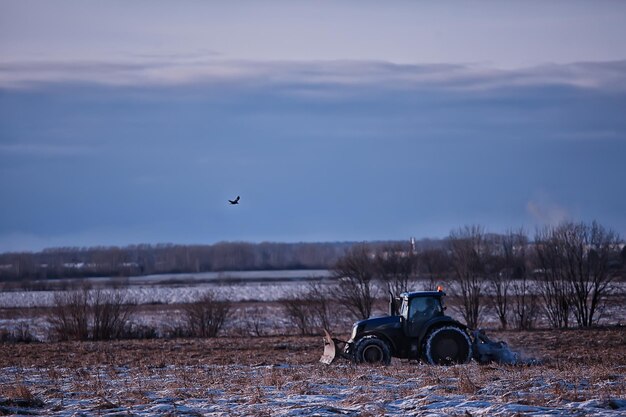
x=371, y=349
x=447, y=346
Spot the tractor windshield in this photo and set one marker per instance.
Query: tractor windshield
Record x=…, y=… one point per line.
x=423, y=308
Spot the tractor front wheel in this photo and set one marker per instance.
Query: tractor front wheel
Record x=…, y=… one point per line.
x=447, y=346
x=371, y=349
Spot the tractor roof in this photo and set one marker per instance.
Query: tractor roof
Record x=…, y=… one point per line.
x=413, y=294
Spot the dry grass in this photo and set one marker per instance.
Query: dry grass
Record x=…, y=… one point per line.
x=558, y=350
x=19, y=395
x=578, y=365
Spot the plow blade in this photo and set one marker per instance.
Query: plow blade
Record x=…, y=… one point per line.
x=330, y=349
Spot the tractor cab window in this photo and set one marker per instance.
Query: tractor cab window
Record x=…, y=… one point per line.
x=404, y=309
x=423, y=308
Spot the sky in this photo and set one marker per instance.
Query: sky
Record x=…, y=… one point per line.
x=134, y=122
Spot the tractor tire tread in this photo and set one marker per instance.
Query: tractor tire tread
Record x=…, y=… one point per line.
x=366, y=341
x=427, y=350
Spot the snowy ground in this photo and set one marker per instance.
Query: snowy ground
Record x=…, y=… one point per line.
x=257, y=306
x=277, y=390
x=179, y=288
x=160, y=294
x=266, y=286
x=281, y=377
x=583, y=373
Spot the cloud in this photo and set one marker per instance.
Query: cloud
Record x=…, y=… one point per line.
x=547, y=213
x=151, y=70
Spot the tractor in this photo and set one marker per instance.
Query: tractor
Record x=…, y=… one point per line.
x=416, y=328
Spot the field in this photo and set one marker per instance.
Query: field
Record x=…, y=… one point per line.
x=582, y=372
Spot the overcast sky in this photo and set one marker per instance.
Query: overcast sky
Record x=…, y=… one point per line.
x=134, y=122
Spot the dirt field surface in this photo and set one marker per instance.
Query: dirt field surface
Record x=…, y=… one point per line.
x=583, y=373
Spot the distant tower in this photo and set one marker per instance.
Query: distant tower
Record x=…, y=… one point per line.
x=412, y=246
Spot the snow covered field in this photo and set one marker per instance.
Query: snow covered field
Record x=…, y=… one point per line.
x=277, y=390
x=281, y=377
x=255, y=294
x=237, y=286
x=182, y=288
x=161, y=294
x=583, y=371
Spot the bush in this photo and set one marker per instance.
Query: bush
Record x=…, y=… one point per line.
x=69, y=318
x=355, y=272
x=110, y=315
x=576, y=278
x=21, y=334
x=311, y=311
x=83, y=314
x=206, y=317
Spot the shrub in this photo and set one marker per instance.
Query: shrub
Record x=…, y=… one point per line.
x=83, y=314
x=206, y=317
x=20, y=334
x=69, y=318
x=110, y=315
x=310, y=311
x=355, y=272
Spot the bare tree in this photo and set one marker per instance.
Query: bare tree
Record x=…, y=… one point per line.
x=525, y=303
x=434, y=263
x=395, y=267
x=254, y=324
x=355, y=272
x=525, y=300
x=321, y=305
x=586, y=251
x=110, y=314
x=506, y=262
x=310, y=311
x=574, y=260
x=296, y=309
x=554, y=288
x=89, y=314
x=468, y=248
x=497, y=275
x=69, y=317
x=206, y=317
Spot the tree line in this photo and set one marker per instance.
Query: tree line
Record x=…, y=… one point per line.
x=145, y=259
x=564, y=275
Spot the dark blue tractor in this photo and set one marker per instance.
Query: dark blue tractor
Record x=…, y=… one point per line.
x=416, y=328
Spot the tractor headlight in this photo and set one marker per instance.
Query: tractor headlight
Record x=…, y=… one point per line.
x=355, y=330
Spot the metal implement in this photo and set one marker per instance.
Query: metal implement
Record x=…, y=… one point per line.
x=486, y=350
x=332, y=348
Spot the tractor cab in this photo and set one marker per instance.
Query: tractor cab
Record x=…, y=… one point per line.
x=419, y=308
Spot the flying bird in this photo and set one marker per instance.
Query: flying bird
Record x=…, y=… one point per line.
x=235, y=201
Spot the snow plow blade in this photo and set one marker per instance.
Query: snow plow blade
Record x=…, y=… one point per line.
x=330, y=349
x=333, y=348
